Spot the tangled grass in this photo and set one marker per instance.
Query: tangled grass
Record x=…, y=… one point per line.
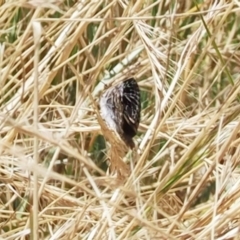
x=56, y=58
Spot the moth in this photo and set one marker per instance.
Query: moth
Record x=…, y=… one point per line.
x=120, y=108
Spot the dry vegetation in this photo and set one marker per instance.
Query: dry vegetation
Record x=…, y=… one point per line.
x=56, y=58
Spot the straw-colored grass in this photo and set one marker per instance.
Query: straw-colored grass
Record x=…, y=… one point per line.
x=57, y=177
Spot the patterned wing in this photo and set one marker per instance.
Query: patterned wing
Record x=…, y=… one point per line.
x=130, y=99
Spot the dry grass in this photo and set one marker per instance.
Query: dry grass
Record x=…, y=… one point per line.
x=55, y=60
